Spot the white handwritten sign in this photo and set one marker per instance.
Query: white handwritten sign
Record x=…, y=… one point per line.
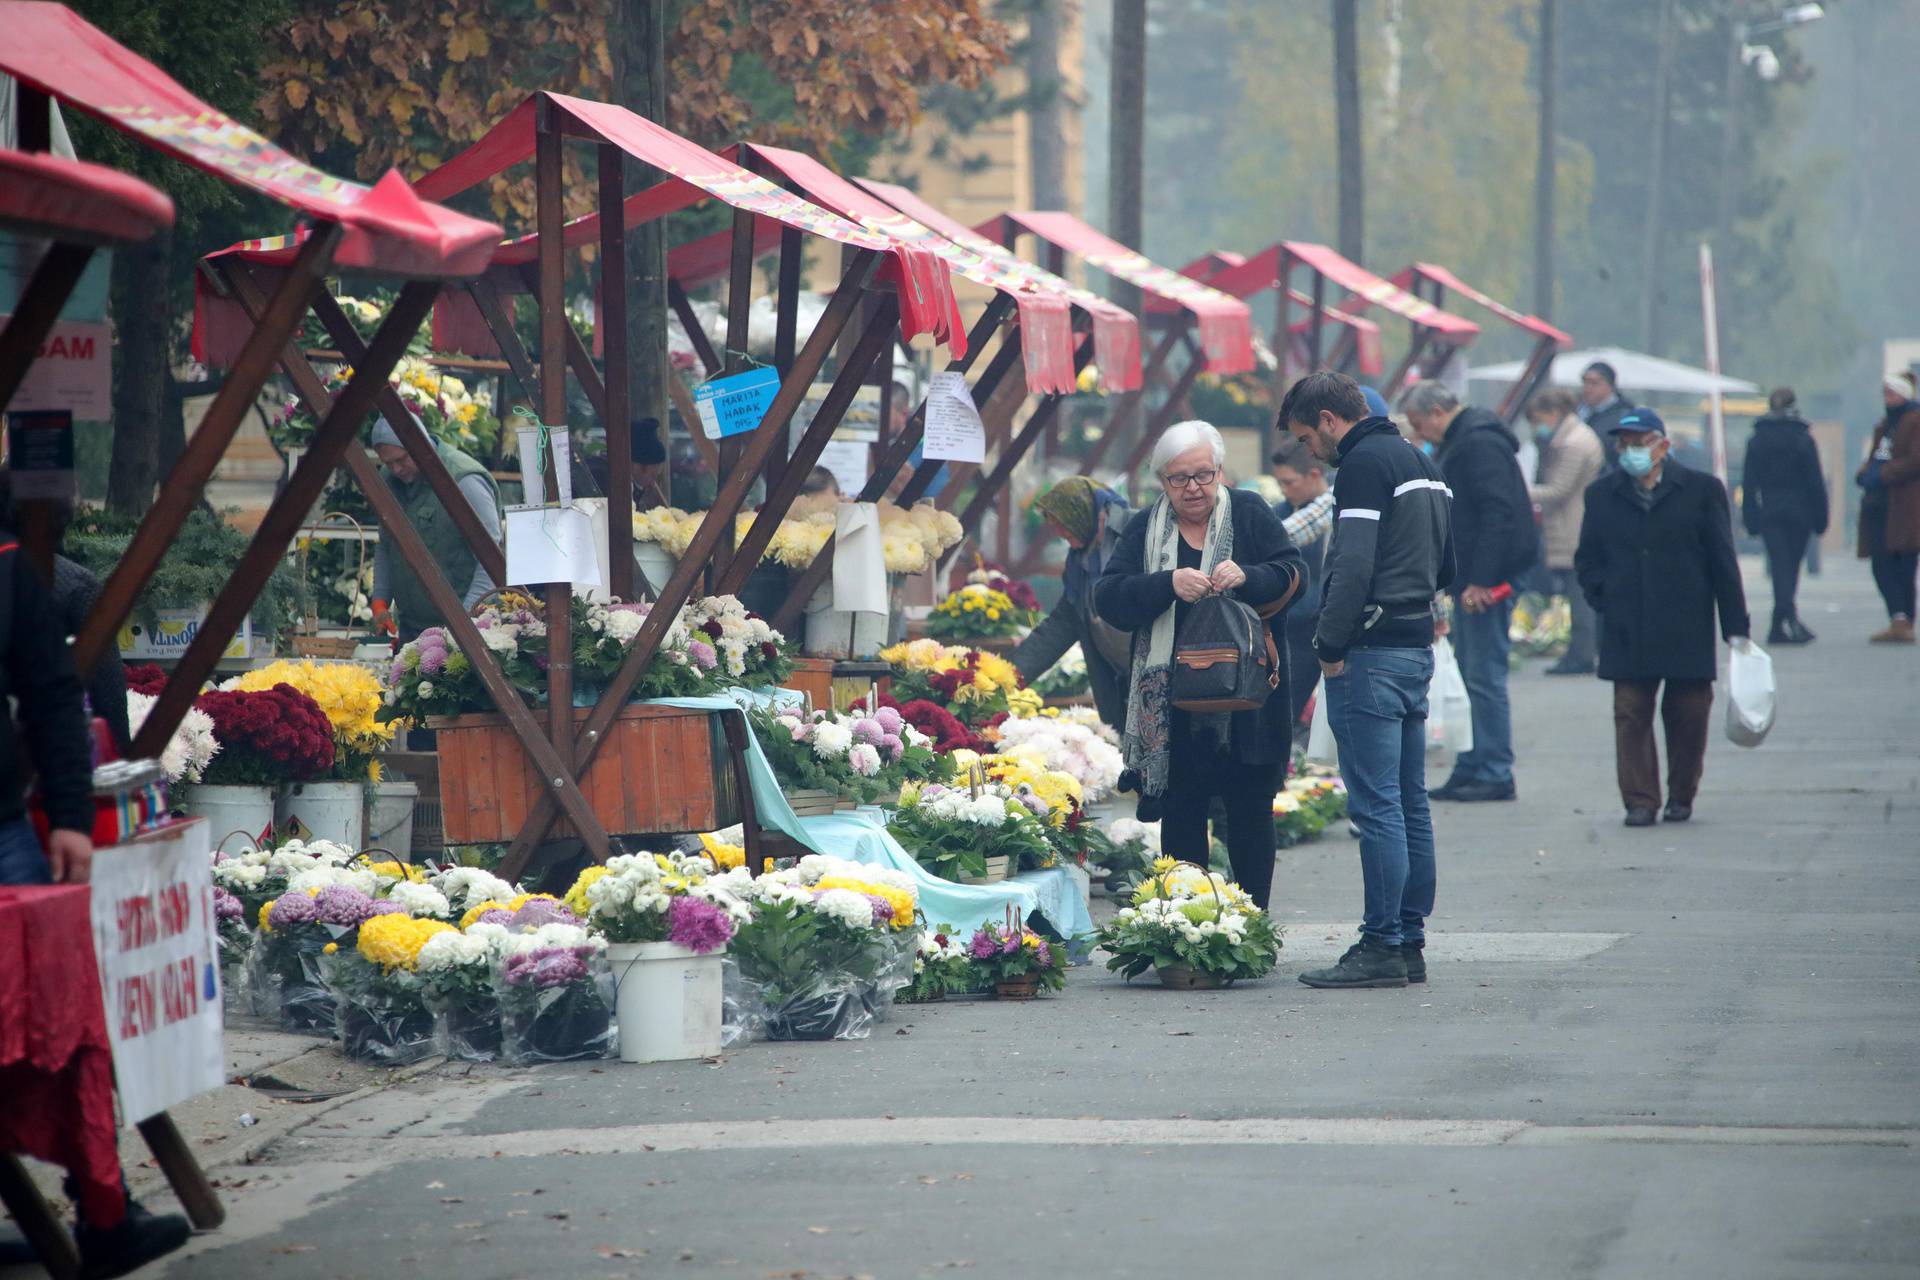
x=154, y=932
x=954, y=432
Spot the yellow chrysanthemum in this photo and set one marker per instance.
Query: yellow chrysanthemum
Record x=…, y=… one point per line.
x=330, y=949
x=349, y=695
x=576, y=897
x=398, y=871
x=903, y=903
x=523, y=899
x=394, y=941
x=725, y=856
x=475, y=912
x=266, y=909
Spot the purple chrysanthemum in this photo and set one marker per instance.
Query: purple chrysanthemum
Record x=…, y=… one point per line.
x=536, y=912
x=882, y=909
x=385, y=907
x=342, y=904
x=890, y=719
x=703, y=655
x=698, y=925
x=291, y=909
x=546, y=968
x=499, y=915
x=983, y=946
x=432, y=661
x=226, y=906
x=869, y=730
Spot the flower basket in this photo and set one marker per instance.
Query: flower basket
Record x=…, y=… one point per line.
x=998, y=869
x=1184, y=977
x=1026, y=988
x=1194, y=928
x=663, y=769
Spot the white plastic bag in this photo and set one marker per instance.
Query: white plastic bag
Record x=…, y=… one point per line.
x=1321, y=748
x=1449, y=713
x=1750, y=700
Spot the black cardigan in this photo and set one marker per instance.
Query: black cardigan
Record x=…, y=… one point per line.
x=1130, y=599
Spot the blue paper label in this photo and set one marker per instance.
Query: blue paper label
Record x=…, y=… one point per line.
x=734, y=405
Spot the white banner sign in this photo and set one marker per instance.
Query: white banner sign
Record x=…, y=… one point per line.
x=158, y=947
x=954, y=431
x=73, y=371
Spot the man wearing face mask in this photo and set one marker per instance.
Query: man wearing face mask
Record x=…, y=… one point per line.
x=1655, y=561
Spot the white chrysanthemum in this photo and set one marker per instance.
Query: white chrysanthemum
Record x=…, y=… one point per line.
x=322, y=877
x=846, y=906
x=446, y=951
x=987, y=810
x=864, y=760
x=624, y=626
x=470, y=886
x=420, y=900
x=236, y=874
x=830, y=740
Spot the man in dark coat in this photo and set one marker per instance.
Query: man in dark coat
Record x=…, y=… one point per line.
x=1783, y=502
x=1655, y=560
x=1601, y=404
x=1497, y=543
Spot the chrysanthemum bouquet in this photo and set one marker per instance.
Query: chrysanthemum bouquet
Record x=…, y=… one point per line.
x=972, y=685
x=257, y=876
x=556, y=996
x=1063, y=745
x=267, y=737
x=1016, y=961
x=953, y=831
x=192, y=747
x=1194, y=926
x=865, y=758
x=1305, y=807
x=661, y=897
x=349, y=695
x=986, y=573
x=977, y=612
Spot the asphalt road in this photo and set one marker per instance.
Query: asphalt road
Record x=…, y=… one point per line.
x=1686, y=1051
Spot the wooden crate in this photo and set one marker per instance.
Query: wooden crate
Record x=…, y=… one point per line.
x=662, y=770
x=814, y=677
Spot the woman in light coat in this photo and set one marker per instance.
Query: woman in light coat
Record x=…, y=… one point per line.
x=1571, y=458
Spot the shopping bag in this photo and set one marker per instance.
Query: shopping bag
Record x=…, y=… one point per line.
x=1321, y=748
x=1750, y=700
x=1449, y=713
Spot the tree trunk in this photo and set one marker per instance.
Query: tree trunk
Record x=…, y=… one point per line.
x=1126, y=136
x=1346, y=103
x=640, y=85
x=143, y=323
x=1047, y=107
x=1656, y=188
x=1544, y=172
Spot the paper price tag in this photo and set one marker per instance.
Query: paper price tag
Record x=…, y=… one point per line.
x=954, y=431
x=734, y=405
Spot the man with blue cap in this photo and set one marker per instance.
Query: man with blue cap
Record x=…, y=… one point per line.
x=396, y=588
x=1656, y=560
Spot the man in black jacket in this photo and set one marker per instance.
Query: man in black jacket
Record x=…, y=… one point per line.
x=1656, y=560
x=1392, y=552
x=1601, y=404
x=1783, y=502
x=1497, y=541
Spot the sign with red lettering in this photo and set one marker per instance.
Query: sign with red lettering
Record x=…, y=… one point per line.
x=154, y=931
x=73, y=371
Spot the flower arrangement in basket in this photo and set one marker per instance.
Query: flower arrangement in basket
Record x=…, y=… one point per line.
x=1017, y=962
x=267, y=737
x=1305, y=807
x=380, y=998
x=1195, y=927
x=1058, y=743
x=941, y=963
x=977, y=833
x=349, y=695
x=861, y=757
x=828, y=945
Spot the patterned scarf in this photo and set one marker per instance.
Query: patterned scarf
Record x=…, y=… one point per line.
x=1146, y=745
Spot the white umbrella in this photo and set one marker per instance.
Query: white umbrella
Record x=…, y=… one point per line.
x=1638, y=374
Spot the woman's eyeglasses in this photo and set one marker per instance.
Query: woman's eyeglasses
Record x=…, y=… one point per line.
x=1190, y=479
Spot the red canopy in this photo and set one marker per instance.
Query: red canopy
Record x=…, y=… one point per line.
x=927, y=304
x=1440, y=275
x=1116, y=334
x=1216, y=269
x=386, y=228
x=1262, y=271
x=1046, y=322
x=76, y=201
x=1226, y=324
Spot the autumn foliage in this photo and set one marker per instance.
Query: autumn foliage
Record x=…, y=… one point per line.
x=377, y=85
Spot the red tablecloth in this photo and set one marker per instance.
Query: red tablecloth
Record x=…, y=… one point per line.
x=56, y=1063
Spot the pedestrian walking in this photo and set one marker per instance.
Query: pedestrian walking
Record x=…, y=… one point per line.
x=1601, y=403
x=1089, y=517
x=1392, y=553
x=1200, y=537
x=1890, y=507
x=1497, y=544
x=1783, y=502
x=1307, y=516
x=1572, y=458
x=1656, y=560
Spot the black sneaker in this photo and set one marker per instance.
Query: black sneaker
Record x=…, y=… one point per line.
x=1476, y=792
x=1676, y=812
x=1366, y=964
x=137, y=1240
x=1415, y=954
x=1565, y=668
x=1640, y=817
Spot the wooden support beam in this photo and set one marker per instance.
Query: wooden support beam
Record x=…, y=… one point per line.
x=1010, y=457
x=46, y=1235
x=1418, y=348
x=679, y=586
x=187, y=481
x=892, y=458
x=37, y=310
x=735, y=360
x=616, y=410
x=1538, y=364
x=550, y=220
x=338, y=431
x=702, y=344
x=873, y=343
x=184, y=1174
x=499, y=317
x=236, y=276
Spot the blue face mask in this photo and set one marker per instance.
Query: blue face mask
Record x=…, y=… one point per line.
x=1637, y=459
x=1426, y=447
x=1543, y=433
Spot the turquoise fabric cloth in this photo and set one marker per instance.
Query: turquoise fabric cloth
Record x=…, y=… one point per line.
x=862, y=836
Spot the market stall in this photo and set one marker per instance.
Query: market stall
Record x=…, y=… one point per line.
x=1431, y=281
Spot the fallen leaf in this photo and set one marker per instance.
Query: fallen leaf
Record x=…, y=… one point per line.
x=925, y=1181
x=1179, y=1033
x=294, y=1248
x=560, y=1217
x=612, y=1251
x=436, y=1186
x=820, y=1231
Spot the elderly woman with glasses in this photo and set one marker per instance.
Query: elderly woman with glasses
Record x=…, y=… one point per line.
x=1201, y=537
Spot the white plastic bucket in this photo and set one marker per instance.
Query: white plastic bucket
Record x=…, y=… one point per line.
x=390, y=816
x=232, y=809
x=667, y=1001
x=654, y=562
x=335, y=811
x=841, y=633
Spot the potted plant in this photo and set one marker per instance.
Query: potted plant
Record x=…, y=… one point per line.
x=331, y=807
x=380, y=999
x=556, y=996
x=268, y=738
x=979, y=834
x=1017, y=962
x=456, y=979
x=322, y=908
x=1194, y=927
x=666, y=928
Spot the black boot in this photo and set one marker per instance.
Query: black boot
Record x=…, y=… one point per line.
x=1366, y=964
x=139, y=1238
x=1415, y=954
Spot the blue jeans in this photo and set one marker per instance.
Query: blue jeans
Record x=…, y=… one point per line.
x=1377, y=709
x=22, y=860
x=1481, y=642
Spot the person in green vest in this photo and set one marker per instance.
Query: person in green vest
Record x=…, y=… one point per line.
x=400, y=603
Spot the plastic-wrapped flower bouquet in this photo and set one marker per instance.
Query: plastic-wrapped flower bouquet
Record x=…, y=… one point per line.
x=556, y=996
x=982, y=832
x=661, y=897
x=1195, y=927
x=380, y=1002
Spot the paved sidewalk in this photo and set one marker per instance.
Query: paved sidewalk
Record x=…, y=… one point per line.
x=1686, y=1051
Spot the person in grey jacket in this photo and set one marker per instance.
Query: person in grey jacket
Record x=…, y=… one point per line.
x=1571, y=458
x=1090, y=517
x=393, y=580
